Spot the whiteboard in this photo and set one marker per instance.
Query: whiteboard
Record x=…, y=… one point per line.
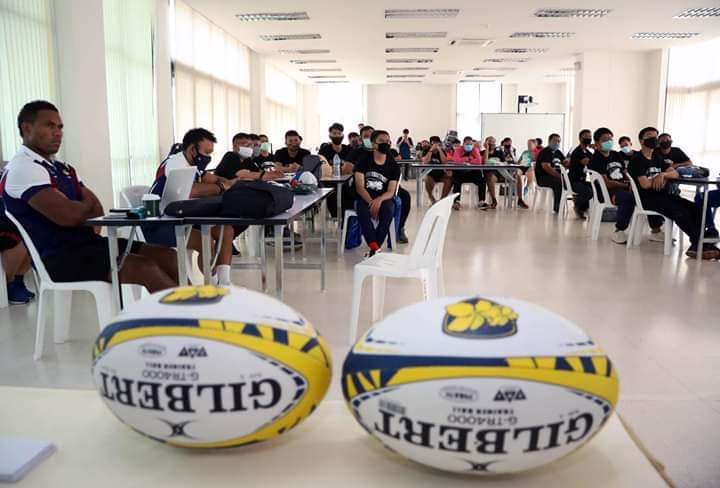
x=521, y=127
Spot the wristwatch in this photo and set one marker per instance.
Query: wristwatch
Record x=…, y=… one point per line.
x=262, y=173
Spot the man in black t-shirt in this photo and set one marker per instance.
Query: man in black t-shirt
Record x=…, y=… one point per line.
x=651, y=174
x=673, y=156
x=547, y=168
x=626, y=149
x=330, y=151
x=579, y=159
x=289, y=159
x=432, y=152
x=376, y=178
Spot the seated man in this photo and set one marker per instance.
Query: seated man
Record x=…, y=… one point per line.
x=468, y=153
x=491, y=154
x=354, y=140
x=510, y=157
x=651, y=174
x=547, y=169
x=376, y=178
x=46, y=196
x=15, y=260
x=433, y=153
x=336, y=150
x=239, y=158
x=626, y=149
x=527, y=159
x=579, y=159
x=197, y=146
x=289, y=159
x=672, y=155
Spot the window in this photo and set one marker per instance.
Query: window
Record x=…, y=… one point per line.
x=474, y=99
x=211, y=74
x=692, y=112
x=28, y=70
x=342, y=102
x=280, y=111
x=131, y=92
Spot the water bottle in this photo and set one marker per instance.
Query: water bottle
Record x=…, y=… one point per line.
x=337, y=163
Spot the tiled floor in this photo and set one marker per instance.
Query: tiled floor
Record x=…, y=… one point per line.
x=656, y=316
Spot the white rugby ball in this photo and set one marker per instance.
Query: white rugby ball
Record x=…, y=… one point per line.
x=479, y=385
x=210, y=367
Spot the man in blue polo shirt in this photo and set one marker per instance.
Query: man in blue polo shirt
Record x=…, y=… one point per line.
x=46, y=196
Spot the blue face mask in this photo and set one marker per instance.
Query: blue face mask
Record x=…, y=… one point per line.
x=468, y=147
x=607, y=146
x=367, y=143
x=554, y=146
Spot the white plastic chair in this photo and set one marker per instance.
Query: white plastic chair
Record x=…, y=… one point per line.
x=469, y=196
x=567, y=192
x=3, y=287
x=596, y=207
x=635, y=230
x=423, y=263
x=545, y=195
x=62, y=297
x=132, y=195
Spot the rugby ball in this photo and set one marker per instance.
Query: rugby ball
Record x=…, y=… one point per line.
x=210, y=367
x=479, y=385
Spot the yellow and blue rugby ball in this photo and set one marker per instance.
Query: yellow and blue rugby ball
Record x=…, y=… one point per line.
x=479, y=385
x=211, y=367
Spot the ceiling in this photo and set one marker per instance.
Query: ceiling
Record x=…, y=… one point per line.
x=354, y=32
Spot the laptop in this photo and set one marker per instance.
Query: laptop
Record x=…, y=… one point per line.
x=178, y=186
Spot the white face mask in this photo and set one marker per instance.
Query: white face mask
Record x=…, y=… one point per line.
x=245, y=152
x=626, y=149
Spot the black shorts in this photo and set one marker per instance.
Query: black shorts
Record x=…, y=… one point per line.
x=86, y=261
x=438, y=175
x=9, y=235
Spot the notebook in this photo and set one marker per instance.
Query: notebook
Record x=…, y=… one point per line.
x=19, y=456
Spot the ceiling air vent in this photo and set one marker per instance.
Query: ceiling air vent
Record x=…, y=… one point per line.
x=289, y=37
x=276, y=16
x=414, y=35
x=332, y=81
x=304, y=51
x=493, y=69
x=664, y=35
x=405, y=81
x=699, y=13
x=399, y=50
x=422, y=13
x=405, y=76
x=320, y=77
x=573, y=13
x=541, y=35
x=484, y=76
x=449, y=72
x=521, y=50
x=409, y=60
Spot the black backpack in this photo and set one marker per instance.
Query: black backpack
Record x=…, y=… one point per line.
x=256, y=200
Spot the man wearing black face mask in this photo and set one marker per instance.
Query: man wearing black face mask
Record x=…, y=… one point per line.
x=651, y=174
x=579, y=160
x=331, y=151
x=674, y=156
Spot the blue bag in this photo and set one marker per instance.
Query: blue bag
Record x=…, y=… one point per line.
x=354, y=233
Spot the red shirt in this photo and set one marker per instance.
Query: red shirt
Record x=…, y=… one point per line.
x=460, y=156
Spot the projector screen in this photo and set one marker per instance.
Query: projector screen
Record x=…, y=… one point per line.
x=521, y=127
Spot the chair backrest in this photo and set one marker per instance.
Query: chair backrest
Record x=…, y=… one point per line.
x=132, y=195
x=597, y=181
x=565, y=179
x=34, y=254
x=430, y=239
x=178, y=186
x=636, y=194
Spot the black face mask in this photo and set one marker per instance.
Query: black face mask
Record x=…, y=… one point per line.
x=651, y=142
x=507, y=148
x=201, y=161
x=384, y=147
x=666, y=144
x=586, y=140
x=336, y=140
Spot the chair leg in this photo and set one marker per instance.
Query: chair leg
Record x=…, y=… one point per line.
x=429, y=283
x=378, y=297
x=631, y=231
x=62, y=305
x=3, y=289
x=358, y=278
x=40, y=324
x=668, y=236
x=392, y=238
x=343, y=236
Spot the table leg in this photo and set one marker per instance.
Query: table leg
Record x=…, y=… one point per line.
x=263, y=259
x=114, y=272
x=206, y=253
x=323, y=250
x=180, y=245
x=418, y=184
x=339, y=219
x=279, y=261
x=701, y=240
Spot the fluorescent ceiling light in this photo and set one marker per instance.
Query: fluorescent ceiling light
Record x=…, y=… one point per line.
x=267, y=17
x=473, y=41
x=506, y=60
x=405, y=81
x=521, y=50
x=312, y=61
x=483, y=76
x=575, y=13
x=332, y=81
x=414, y=35
x=409, y=60
x=699, y=13
x=542, y=35
x=450, y=72
x=319, y=70
x=319, y=77
x=407, y=68
x=289, y=37
x=493, y=69
x=422, y=13
x=405, y=76
x=397, y=50
x=304, y=51
x=664, y=35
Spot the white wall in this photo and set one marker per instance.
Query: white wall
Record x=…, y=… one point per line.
x=550, y=97
x=426, y=110
x=621, y=90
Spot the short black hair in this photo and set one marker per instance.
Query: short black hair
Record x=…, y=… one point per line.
x=466, y=138
x=664, y=134
x=584, y=131
x=601, y=132
x=552, y=135
x=263, y=135
x=641, y=134
x=29, y=112
x=366, y=128
x=624, y=138
x=254, y=137
x=194, y=136
x=505, y=140
x=240, y=135
x=406, y=131
x=378, y=133
x=538, y=140
x=353, y=134
x=292, y=133
x=337, y=126
x=435, y=139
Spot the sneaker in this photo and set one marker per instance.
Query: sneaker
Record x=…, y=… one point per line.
x=17, y=294
x=483, y=206
x=522, y=204
x=579, y=214
x=235, y=251
x=402, y=237
x=493, y=205
x=709, y=252
x=619, y=237
x=456, y=206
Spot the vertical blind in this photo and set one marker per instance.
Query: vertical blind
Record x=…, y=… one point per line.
x=280, y=105
x=131, y=91
x=692, y=113
x=27, y=69
x=211, y=79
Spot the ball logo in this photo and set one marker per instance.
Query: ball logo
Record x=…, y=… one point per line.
x=509, y=394
x=193, y=351
x=479, y=318
x=458, y=394
x=200, y=295
x=151, y=350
